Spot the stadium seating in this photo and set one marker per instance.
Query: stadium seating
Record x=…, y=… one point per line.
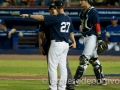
x=8, y=0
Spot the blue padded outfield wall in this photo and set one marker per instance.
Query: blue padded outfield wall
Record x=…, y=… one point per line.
x=28, y=44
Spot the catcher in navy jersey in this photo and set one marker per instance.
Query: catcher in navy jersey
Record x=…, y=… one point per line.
x=90, y=28
x=44, y=44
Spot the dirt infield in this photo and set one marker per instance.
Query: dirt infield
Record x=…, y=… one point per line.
x=41, y=57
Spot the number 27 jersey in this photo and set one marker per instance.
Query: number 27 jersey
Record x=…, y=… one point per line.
x=60, y=26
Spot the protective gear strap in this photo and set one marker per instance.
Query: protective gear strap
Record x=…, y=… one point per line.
x=78, y=74
x=81, y=68
x=83, y=60
x=97, y=69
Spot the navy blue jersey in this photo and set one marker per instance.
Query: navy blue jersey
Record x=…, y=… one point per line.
x=88, y=19
x=60, y=26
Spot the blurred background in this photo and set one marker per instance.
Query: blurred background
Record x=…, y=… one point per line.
x=20, y=36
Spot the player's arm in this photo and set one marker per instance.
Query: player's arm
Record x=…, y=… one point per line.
x=98, y=31
x=36, y=17
x=72, y=38
x=40, y=41
x=50, y=19
x=96, y=22
x=73, y=45
x=97, y=28
x=40, y=38
x=11, y=32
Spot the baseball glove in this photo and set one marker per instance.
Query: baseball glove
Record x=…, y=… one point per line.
x=102, y=47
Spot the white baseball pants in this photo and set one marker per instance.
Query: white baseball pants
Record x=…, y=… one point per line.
x=90, y=46
x=113, y=45
x=57, y=57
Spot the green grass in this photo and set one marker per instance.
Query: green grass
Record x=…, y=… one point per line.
x=23, y=67
x=39, y=67
x=22, y=85
x=37, y=85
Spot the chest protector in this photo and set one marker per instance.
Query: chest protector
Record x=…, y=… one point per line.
x=86, y=23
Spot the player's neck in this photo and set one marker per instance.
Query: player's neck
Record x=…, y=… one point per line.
x=114, y=25
x=87, y=6
x=61, y=11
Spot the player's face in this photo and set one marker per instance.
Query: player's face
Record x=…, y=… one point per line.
x=114, y=22
x=82, y=3
x=52, y=11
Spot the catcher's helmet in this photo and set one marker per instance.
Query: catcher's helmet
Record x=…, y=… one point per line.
x=90, y=1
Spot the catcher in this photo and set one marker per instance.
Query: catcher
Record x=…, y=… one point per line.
x=90, y=29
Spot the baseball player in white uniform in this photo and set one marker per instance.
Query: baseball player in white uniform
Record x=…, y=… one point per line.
x=60, y=31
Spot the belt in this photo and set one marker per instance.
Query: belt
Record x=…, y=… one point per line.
x=58, y=40
x=87, y=35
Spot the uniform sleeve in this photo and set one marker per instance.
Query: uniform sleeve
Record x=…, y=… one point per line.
x=49, y=20
x=107, y=28
x=94, y=17
x=71, y=28
x=95, y=20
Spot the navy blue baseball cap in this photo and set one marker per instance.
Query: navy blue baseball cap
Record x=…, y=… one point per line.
x=90, y=1
x=2, y=21
x=52, y=5
x=114, y=18
x=59, y=3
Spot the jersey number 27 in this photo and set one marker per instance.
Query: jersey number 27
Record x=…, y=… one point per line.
x=65, y=27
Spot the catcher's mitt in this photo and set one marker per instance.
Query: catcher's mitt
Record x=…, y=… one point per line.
x=102, y=47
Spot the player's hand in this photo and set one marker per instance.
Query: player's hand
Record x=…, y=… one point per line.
x=99, y=39
x=20, y=34
x=73, y=45
x=24, y=15
x=9, y=35
x=107, y=34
